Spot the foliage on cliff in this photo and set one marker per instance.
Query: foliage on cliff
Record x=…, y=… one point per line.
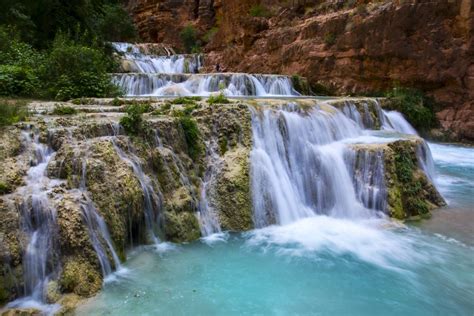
x=416, y=106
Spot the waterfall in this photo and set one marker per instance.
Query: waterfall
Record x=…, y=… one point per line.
x=231, y=84
x=207, y=216
x=144, y=63
x=299, y=167
x=38, y=221
x=97, y=228
x=146, y=74
x=151, y=200
x=306, y=162
x=394, y=121
x=369, y=178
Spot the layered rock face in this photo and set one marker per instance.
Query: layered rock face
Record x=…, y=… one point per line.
x=349, y=47
x=185, y=174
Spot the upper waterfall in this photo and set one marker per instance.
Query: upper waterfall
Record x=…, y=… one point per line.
x=136, y=59
x=146, y=74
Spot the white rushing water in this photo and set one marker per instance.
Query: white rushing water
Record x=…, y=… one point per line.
x=300, y=169
x=230, y=84
x=38, y=221
x=98, y=231
x=207, y=216
x=151, y=199
x=146, y=63
x=177, y=75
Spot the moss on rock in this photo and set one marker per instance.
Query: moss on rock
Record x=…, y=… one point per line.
x=232, y=191
x=80, y=277
x=181, y=227
x=410, y=192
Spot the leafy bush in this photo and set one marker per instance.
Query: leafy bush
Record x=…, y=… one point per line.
x=415, y=106
x=18, y=81
x=12, y=112
x=117, y=102
x=132, y=121
x=218, y=99
x=72, y=70
x=189, y=38
x=259, y=10
x=64, y=110
x=192, y=136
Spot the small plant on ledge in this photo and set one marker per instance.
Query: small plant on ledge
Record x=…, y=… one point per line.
x=218, y=99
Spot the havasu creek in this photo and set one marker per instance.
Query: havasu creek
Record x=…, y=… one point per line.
x=230, y=193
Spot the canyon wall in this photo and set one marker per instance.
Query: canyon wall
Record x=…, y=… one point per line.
x=347, y=47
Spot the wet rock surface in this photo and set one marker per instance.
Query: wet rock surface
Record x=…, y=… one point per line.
x=94, y=162
x=346, y=47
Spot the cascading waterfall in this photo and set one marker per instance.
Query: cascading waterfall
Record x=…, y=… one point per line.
x=368, y=176
x=151, y=200
x=144, y=63
x=306, y=162
x=230, y=84
x=394, y=121
x=299, y=167
x=97, y=228
x=208, y=219
x=38, y=221
x=177, y=75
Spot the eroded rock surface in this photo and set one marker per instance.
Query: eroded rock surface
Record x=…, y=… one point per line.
x=345, y=46
x=95, y=161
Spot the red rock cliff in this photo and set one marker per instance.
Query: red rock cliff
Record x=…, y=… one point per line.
x=349, y=46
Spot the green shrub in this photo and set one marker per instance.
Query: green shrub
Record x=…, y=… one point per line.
x=329, y=39
x=64, y=110
x=12, y=112
x=20, y=54
x=192, y=136
x=415, y=106
x=218, y=99
x=132, y=122
x=117, y=102
x=18, y=81
x=259, y=10
x=189, y=38
x=72, y=70
x=143, y=107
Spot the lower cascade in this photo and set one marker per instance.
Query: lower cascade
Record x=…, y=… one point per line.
x=311, y=179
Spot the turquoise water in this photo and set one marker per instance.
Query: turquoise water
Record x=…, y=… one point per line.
x=316, y=266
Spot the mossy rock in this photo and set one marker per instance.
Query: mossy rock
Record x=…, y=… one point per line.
x=181, y=227
x=80, y=277
x=410, y=193
x=232, y=194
